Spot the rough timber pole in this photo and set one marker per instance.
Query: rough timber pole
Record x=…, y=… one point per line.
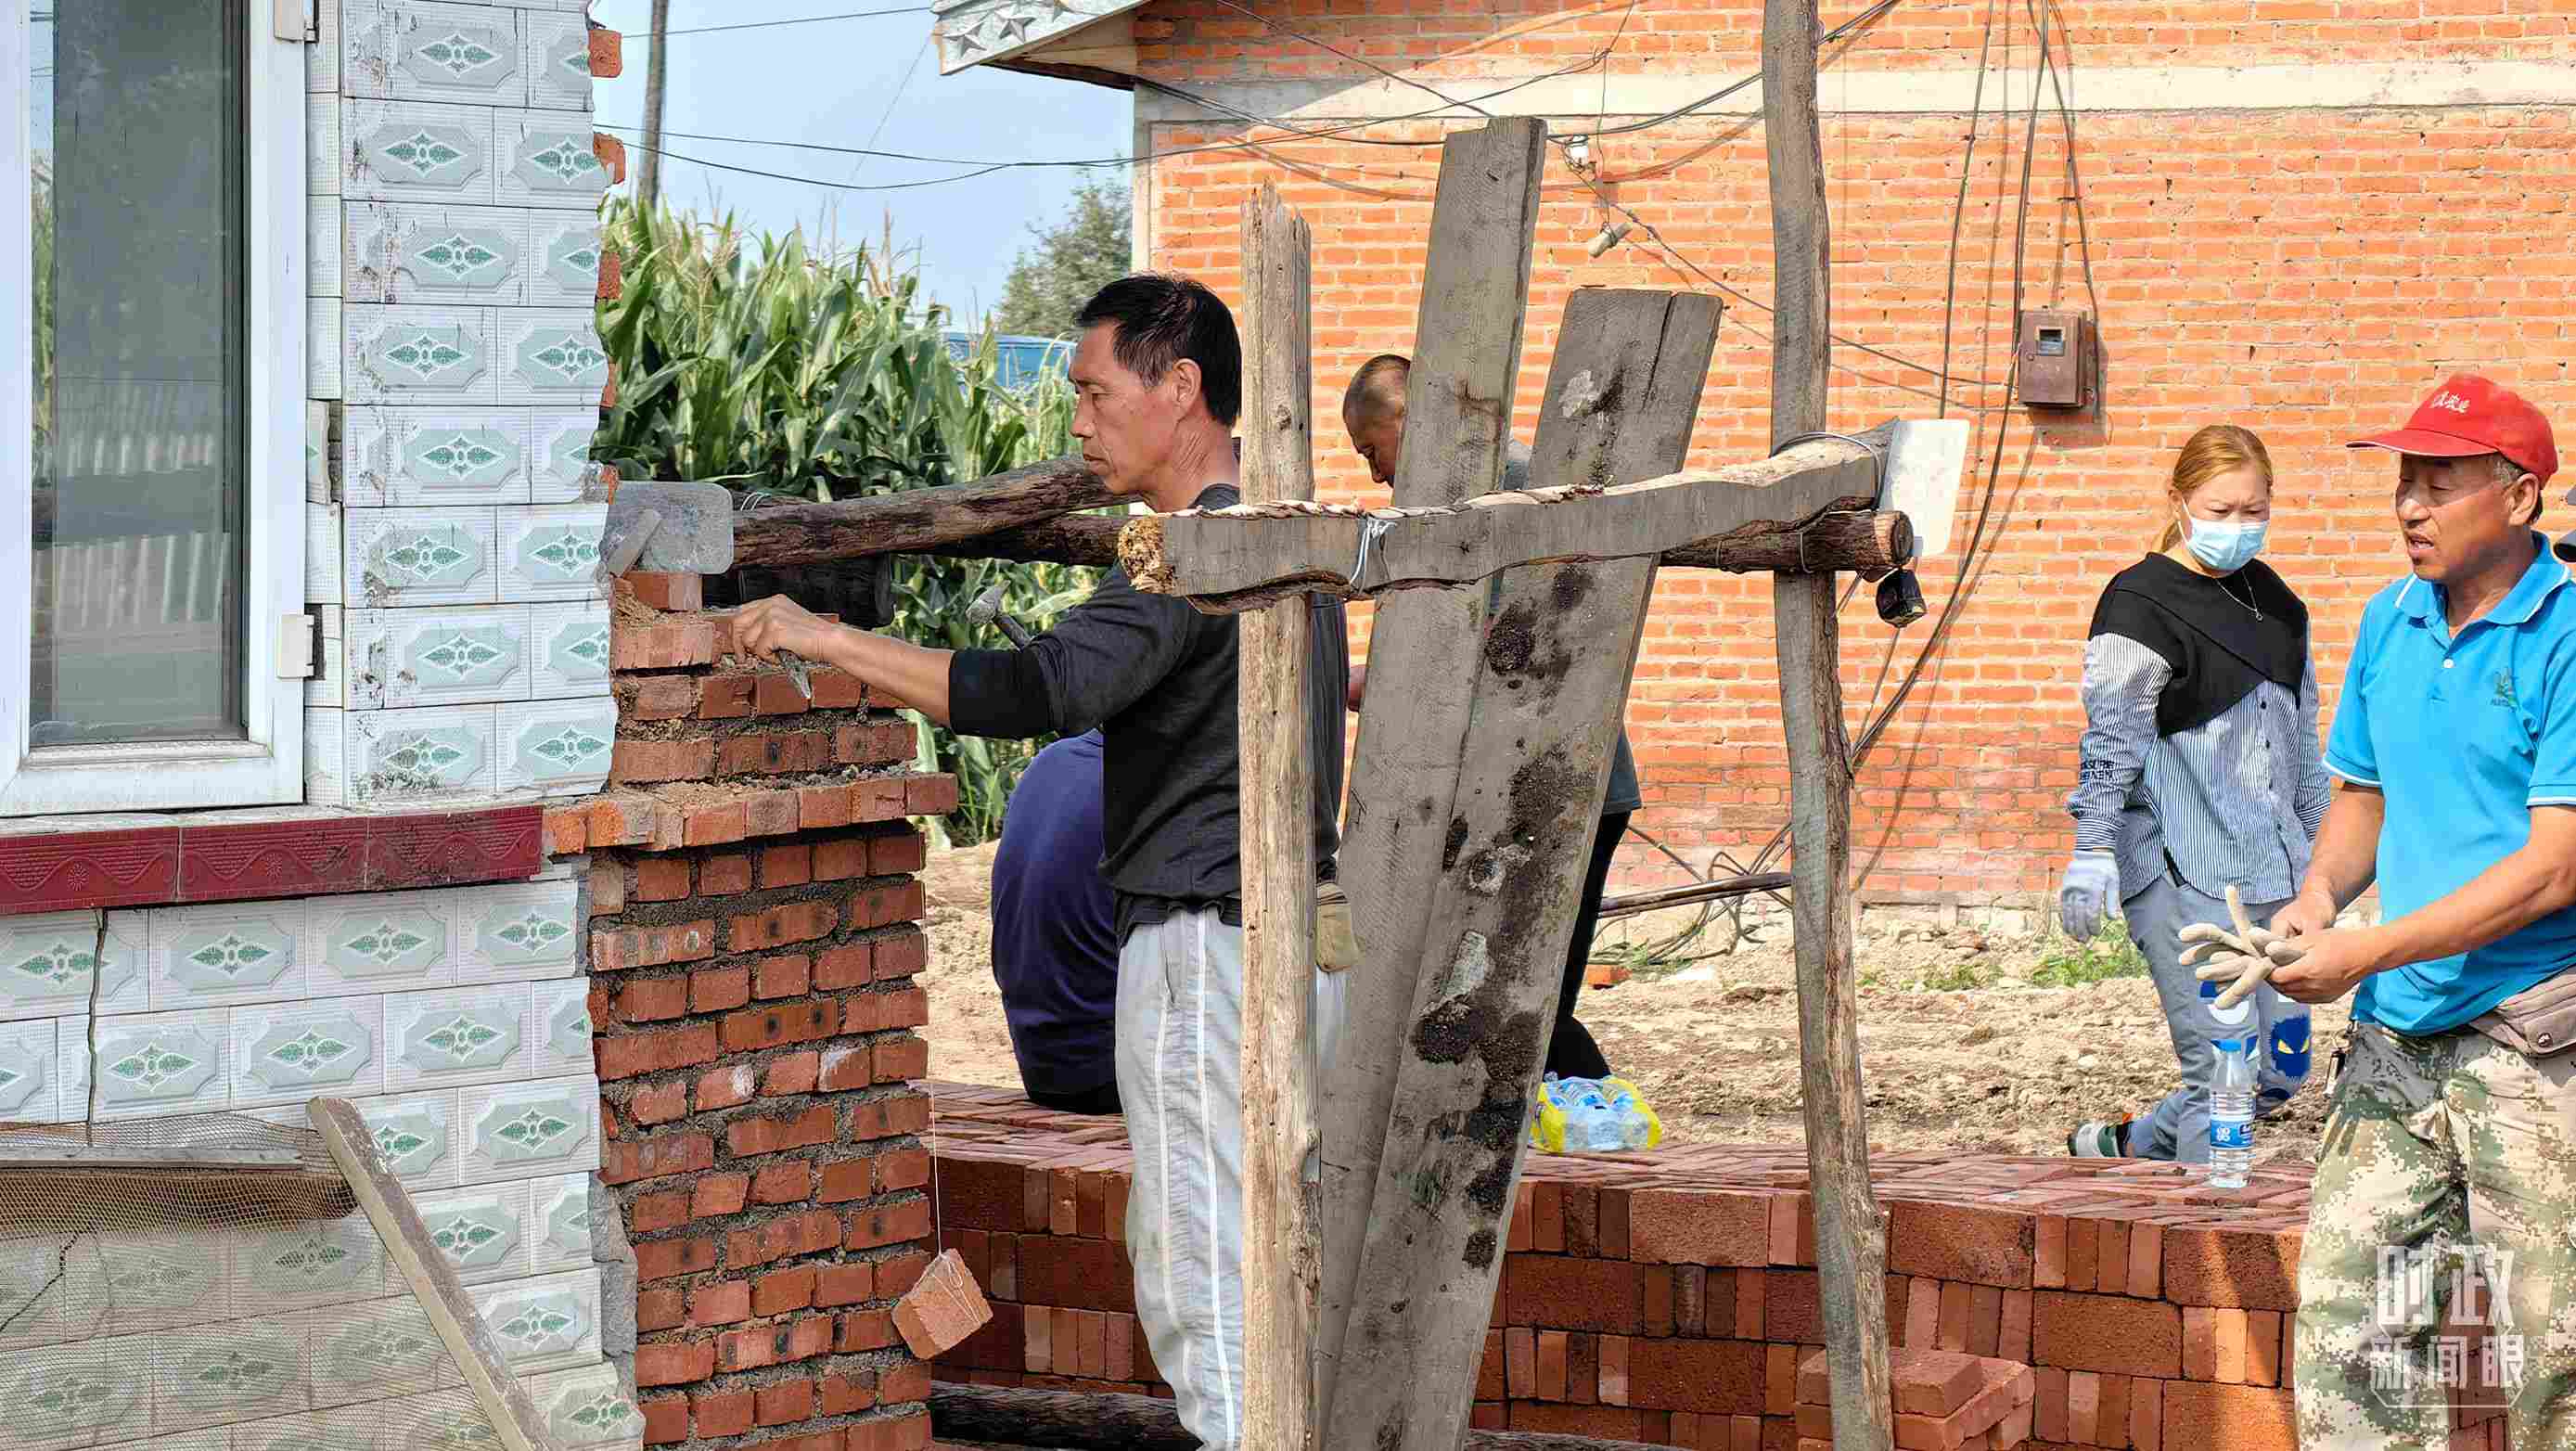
x=1281, y=1260
x=1851, y=1236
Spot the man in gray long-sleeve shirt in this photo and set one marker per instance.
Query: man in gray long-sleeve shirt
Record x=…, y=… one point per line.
x=1158, y=378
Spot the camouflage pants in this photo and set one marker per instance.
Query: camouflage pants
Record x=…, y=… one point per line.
x=2440, y=1152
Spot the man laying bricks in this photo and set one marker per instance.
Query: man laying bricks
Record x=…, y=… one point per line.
x=2453, y=1121
x=1158, y=377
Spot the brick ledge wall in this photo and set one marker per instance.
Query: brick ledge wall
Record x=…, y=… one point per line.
x=1667, y=1297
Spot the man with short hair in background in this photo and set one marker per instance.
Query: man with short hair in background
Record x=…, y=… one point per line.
x=2451, y=1133
x=1373, y=416
x=1158, y=380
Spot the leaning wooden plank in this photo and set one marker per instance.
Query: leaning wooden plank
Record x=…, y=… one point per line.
x=1069, y=1421
x=1244, y=557
x=1550, y=683
x=1851, y=1236
x=1458, y=403
x=432, y=1278
x=1280, y=1257
x=917, y=520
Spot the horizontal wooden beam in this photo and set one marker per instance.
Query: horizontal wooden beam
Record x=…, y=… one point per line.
x=917, y=521
x=1228, y=560
x=1111, y=1422
x=1090, y=539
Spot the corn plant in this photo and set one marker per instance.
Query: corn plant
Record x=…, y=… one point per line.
x=757, y=362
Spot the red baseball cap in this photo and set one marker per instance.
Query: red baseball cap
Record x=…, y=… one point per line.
x=2469, y=415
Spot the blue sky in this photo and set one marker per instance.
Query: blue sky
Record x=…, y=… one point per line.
x=833, y=84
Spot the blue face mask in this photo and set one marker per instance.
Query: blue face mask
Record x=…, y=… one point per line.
x=2224, y=546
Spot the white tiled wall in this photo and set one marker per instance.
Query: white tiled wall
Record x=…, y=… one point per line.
x=456, y=521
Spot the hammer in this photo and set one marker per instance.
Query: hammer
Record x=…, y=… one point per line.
x=987, y=610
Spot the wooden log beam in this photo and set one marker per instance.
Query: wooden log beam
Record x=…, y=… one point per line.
x=1281, y=1260
x=1549, y=685
x=1228, y=560
x=918, y=520
x=1067, y=1421
x=1466, y=358
x=1851, y=1234
x=1090, y=539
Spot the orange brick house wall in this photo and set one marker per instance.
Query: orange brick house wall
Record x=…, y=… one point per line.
x=2306, y=270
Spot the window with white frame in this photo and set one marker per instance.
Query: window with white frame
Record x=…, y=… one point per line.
x=151, y=404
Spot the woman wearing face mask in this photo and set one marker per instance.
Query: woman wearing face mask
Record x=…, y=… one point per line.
x=2200, y=769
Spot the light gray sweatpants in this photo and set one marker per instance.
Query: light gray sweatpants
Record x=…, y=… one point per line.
x=1180, y=1044
x=2178, y=1128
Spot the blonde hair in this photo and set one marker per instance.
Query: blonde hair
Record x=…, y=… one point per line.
x=2221, y=448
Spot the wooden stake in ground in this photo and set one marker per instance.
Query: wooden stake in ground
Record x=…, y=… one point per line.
x=1458, y=403
x=1851, y=1235
x=1281, y=1263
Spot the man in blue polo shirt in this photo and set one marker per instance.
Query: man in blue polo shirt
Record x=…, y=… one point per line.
x=2455, y=746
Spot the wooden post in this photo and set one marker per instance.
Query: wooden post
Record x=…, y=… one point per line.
x=1458, y=404
x=1281, y=1261
x=1549, y=684
x=1851, y=1235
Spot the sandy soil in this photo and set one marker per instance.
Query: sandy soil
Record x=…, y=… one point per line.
x=2001, y=1067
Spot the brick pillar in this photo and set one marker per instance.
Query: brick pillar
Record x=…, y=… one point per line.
x=752, y=993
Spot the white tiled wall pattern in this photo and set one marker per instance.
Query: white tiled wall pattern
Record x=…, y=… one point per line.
x=456, y=521
x=457, y=1021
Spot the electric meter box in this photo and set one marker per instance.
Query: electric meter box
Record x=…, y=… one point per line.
x=2056, y=360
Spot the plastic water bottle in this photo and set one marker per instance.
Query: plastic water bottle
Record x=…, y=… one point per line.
x=1632, y=1124
x=2231, y=1114
x=1590, y=1126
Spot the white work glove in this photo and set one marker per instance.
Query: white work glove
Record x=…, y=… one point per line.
x=2084, y=897
x=2243, y=959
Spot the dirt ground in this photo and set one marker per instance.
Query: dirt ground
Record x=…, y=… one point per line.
x=2004, y=1066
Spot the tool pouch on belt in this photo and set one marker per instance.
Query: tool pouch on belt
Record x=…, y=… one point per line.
x=1336, y=949
x=2537, y=1022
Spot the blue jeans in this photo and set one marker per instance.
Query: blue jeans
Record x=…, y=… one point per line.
x=2178, y=1128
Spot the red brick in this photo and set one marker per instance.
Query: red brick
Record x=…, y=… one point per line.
x=651, y=1000
x=666, y=1419
x=726, y=1086
x=748, y=1136
x=713, y=824
x=910, y=1169
x=774, y=1344
x=784, y=1183
x=902, y=954
x=726, y=1302
x=661, y=879
x=870, y=1330
x=2083, y=1250
x=652, y=946
x=718, y=1194
x=844, y=967
x=667, y=591
x=785, y=1402
x=877, y=799
x=667, y=697
x=847, y=1066
x=822, y=807
x=648, y=761
x=2240, y=1418
x=714, y=989
x=775, y=753
x=899, y=853
x=930, y=795
x=845, y=1284
x=778, y=695
x=841, y=859
x=788, y=975
x=790, y=1074
x=757, y=1028
x=795, y=1234
x=659, y=1103
x=890, y=1224
x=847, y=1391
x=2263, y=1357
x=1574, y=1294
x=902, y=1060
x=2256, y=1270
x=786, y=866
x=674, y=1362
x=661, y=1307
x=1699, y=1227
x=1704, y=1377
x=626, y=1161
x=725, y=697
x=899, y=1113
x=607, y=878
x=783, y=1290
x=654, y=1213
x=568, y=832
x=887, y=903
x=724, y=1413
x=2106, y=1333
x=778, y=926
x=1959, y=1243
x=876, y=1012
x=627, y=1055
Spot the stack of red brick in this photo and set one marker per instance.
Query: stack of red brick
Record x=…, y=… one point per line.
x=754, y=944
x=1670, y=1297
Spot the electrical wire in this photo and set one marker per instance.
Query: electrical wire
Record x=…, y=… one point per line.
x=799, y=20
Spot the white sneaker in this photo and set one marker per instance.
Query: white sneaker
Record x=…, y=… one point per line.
x=2100, y=1139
